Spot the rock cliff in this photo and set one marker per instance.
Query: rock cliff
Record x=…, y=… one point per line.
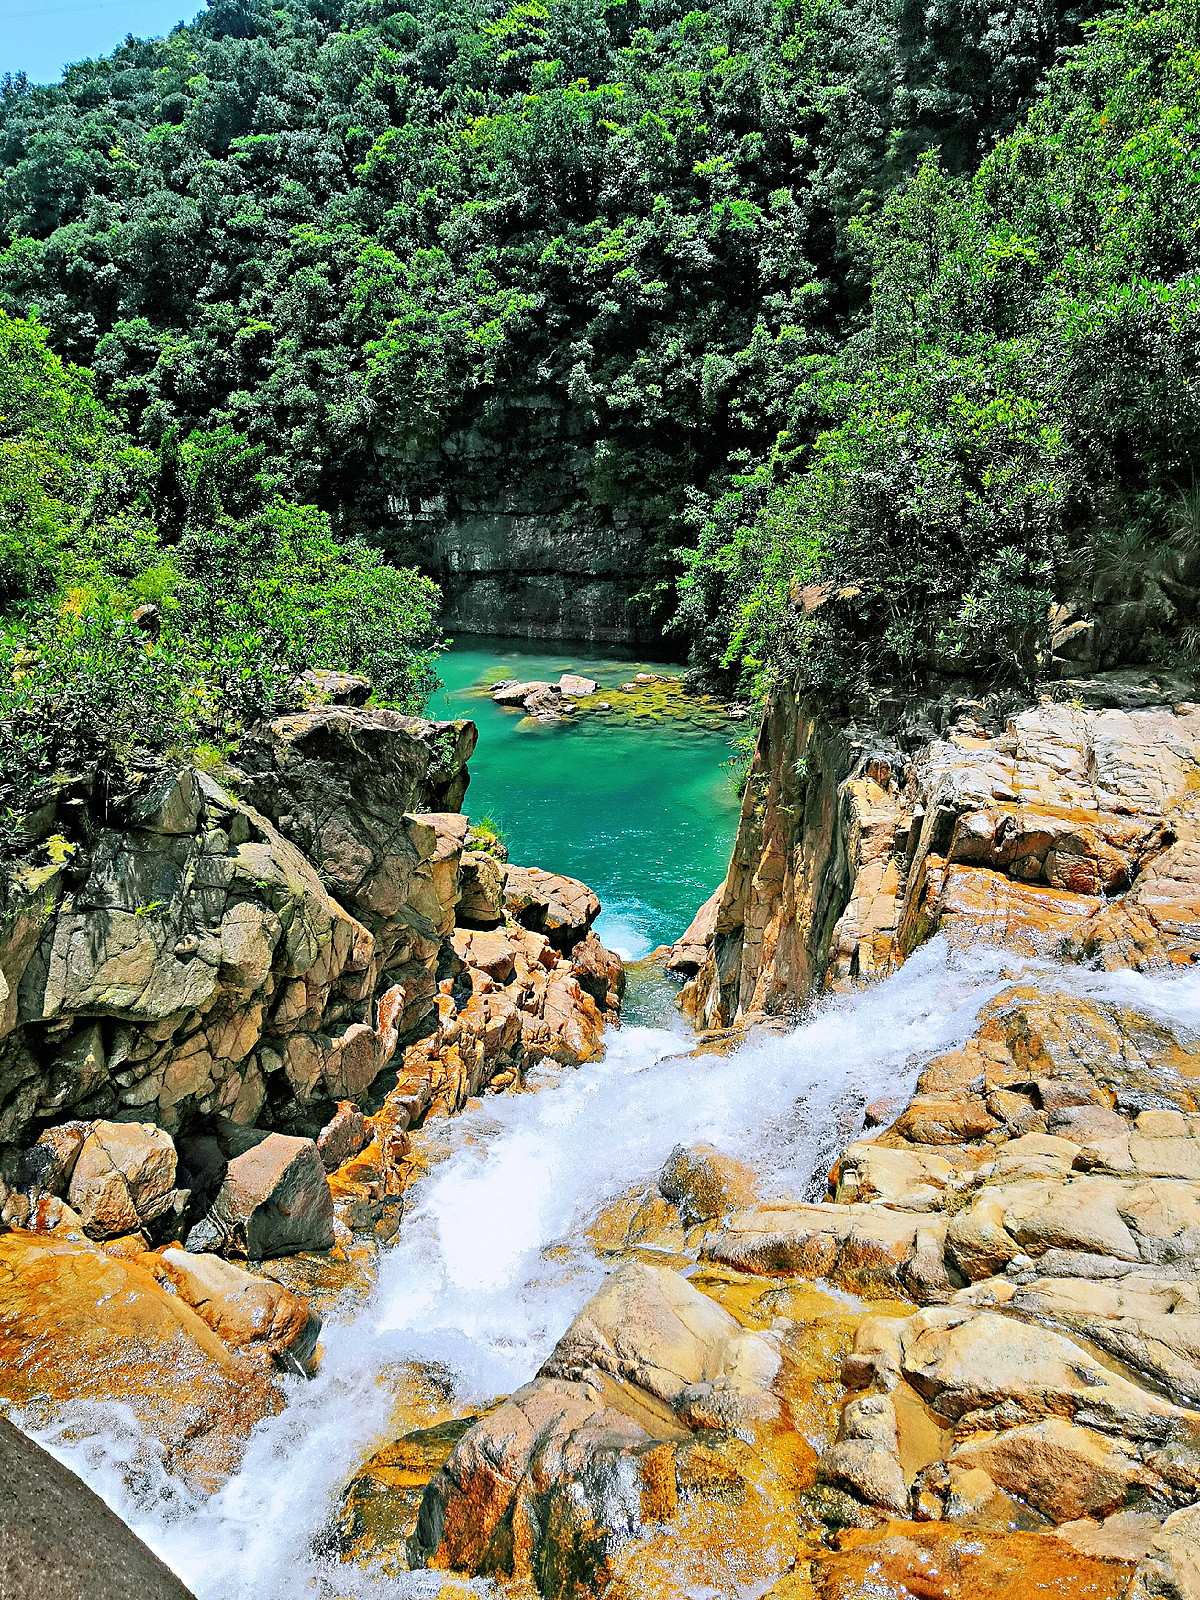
x=222, y=1006
x=1067, y=827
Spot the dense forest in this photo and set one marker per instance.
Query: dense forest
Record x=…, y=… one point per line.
x=883, y=317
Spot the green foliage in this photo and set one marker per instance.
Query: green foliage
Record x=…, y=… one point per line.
x=1020, y=414
x=251, y=589
x=487, y=834
x=581, y=252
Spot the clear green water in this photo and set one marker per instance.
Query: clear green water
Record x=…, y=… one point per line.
x=643, y=812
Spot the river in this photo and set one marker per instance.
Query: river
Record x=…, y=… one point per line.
x=644, y=811
x=493, y=1259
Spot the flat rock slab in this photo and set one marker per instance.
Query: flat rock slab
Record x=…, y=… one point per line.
x=59, y=1541
x=516, y=694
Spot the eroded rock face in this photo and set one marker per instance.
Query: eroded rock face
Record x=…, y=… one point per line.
x=587, y=1451
x=1069, y=828
x=183, y=955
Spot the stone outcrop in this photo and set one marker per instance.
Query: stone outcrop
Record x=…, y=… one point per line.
x=538, y=1488
x=186, y=956
x=199, y=992
x=1071, y=827
x=79, y=1324
x=195, y=963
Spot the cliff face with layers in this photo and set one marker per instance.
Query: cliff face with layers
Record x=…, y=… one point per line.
x=1070, y=826
x=171, y=952
x=969, y=1367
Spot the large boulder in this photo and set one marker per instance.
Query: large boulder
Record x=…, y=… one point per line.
x=586, y=1453
x=249, y=1314
x=59, y=1541
x=598, y=971
x=123, y=1179
x=274, y=1201
x=77, y=1324
x=561, y=908
x=690, y=951
x=342, y=1137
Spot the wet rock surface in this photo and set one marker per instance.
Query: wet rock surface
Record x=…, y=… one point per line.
x=1002, y=1400
x=78, y=1324
x=218, y=1019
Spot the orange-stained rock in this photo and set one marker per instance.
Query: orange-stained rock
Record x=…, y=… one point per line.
x=937, y=1561
x=704, y=1183
x=76, y=1324
x=591, y=1448
x=247, y=1313
x=343, y=1136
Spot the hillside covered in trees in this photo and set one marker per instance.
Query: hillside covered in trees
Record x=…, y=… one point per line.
x=832, y=296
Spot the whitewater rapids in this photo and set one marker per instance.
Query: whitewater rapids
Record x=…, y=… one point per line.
x=492, y=1260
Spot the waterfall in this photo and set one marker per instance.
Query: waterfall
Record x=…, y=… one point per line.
x=493, y=1259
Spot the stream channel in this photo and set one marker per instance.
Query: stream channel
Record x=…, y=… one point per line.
x=493, y=1257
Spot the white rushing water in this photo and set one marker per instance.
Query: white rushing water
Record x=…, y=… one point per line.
x=474, y=1283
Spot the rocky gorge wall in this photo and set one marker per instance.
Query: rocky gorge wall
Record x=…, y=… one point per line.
x=222, y=1007
x=522, y=537
x=1069, y=827
x=969, y=1367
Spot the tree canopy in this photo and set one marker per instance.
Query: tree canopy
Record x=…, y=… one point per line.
x=424, y=252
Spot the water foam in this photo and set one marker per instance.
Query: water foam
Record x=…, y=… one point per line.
x=492, y=1259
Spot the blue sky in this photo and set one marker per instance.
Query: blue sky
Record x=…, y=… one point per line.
x=41, y=38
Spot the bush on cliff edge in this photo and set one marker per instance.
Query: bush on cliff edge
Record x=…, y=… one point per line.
x=250, y=589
